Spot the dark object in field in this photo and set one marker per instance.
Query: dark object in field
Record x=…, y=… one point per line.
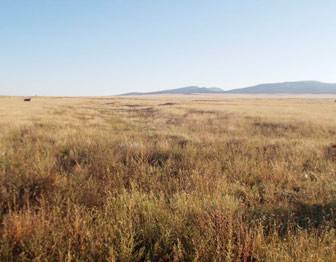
x=27, y=99
x=331, y=151
x=167, y=104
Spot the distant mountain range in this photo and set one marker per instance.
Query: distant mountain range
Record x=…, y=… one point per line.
x=300, y=87
x=183, y=90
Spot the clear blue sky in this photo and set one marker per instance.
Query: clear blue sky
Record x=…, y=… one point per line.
x=81, y=47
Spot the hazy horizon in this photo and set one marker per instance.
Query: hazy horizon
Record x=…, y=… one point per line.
x=86, y=48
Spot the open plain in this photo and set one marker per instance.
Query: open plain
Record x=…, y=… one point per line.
x=176, y=178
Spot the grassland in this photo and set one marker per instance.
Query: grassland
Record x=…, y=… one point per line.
x=167, y=179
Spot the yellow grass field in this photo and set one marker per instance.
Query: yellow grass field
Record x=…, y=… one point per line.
x=176, y=178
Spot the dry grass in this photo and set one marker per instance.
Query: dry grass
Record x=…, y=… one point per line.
x=167, y=179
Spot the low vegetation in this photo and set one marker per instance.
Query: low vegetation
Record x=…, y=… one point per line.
x=167, y=179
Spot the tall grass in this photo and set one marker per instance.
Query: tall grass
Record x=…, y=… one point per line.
x=165, y=179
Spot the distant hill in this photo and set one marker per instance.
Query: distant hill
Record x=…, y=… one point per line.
x=182, y=91
x=300, y=87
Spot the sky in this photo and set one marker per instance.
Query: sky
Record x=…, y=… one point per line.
x=100, y=48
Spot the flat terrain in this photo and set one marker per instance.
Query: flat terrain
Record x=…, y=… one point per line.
x=176, y=178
